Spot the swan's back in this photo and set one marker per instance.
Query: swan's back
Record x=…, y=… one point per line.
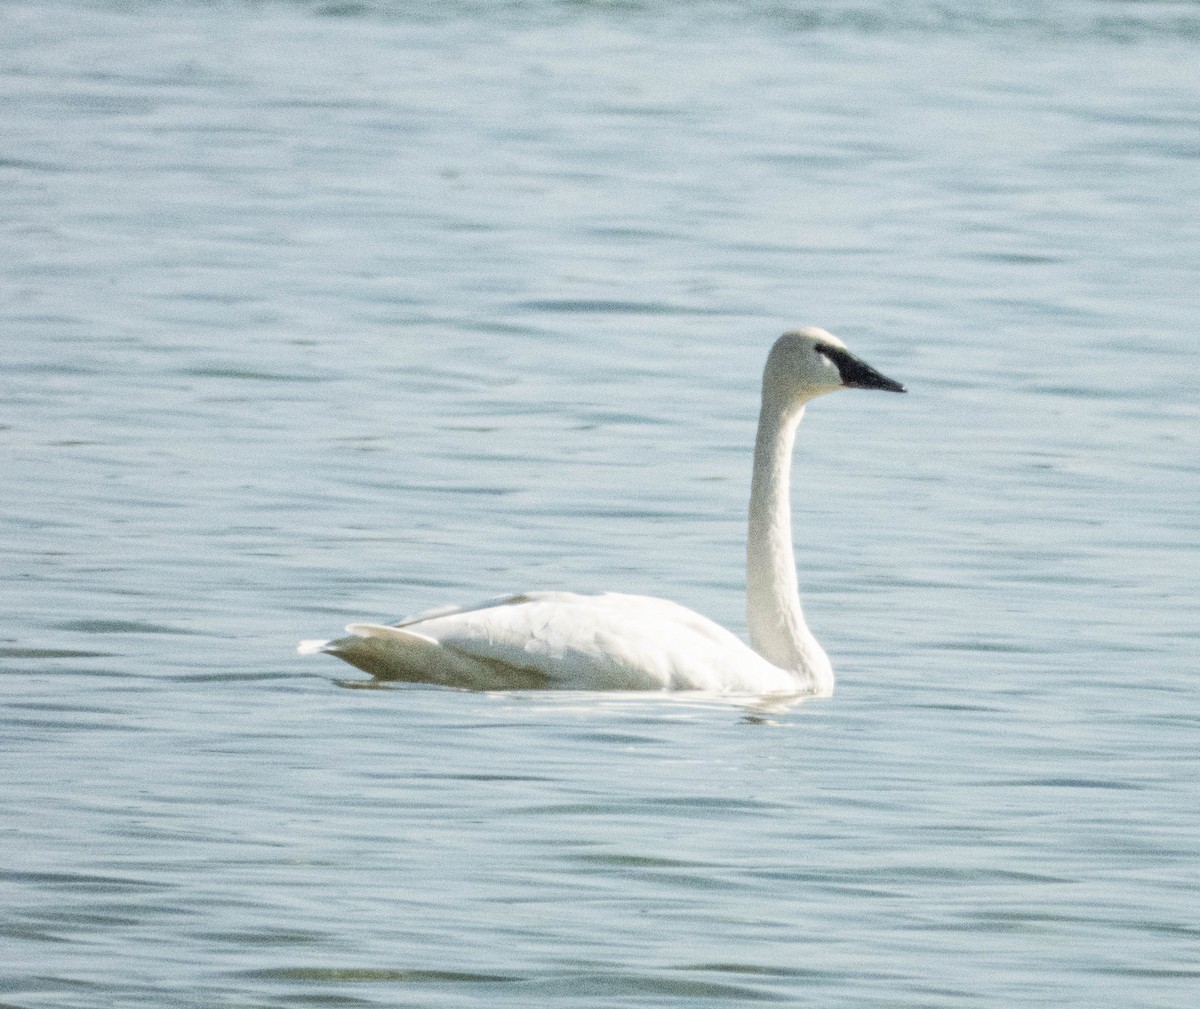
x=563, y=640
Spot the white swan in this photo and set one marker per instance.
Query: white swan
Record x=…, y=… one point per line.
x=610, y=641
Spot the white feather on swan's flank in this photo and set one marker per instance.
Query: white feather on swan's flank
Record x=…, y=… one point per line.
x=611, y=641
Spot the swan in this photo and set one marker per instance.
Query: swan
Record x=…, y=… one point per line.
x=613, y=641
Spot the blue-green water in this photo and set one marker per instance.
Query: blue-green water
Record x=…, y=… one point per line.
x=312, y=313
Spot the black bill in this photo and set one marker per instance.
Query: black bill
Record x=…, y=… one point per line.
x=858, y=374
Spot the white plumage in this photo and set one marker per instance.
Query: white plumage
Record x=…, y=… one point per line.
x=611, y=641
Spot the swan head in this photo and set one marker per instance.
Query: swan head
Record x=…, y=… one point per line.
x=806, y=363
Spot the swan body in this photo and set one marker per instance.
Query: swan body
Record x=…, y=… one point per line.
x=564, y=640
x=612, y=641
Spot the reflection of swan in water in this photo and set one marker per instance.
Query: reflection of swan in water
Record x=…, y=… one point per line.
x=610, y=641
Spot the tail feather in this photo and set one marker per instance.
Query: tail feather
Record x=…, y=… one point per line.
x=397, y=653
x=390, y=653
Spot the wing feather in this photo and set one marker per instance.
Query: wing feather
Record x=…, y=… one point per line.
x=608, y=641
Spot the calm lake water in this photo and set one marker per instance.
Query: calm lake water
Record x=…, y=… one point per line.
x=315, y=312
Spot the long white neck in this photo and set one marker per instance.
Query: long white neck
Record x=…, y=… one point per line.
x=776, y=623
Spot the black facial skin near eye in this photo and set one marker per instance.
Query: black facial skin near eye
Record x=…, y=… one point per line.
x=832, y=353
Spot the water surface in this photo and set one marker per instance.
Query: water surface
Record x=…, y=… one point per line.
x=320, y=312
